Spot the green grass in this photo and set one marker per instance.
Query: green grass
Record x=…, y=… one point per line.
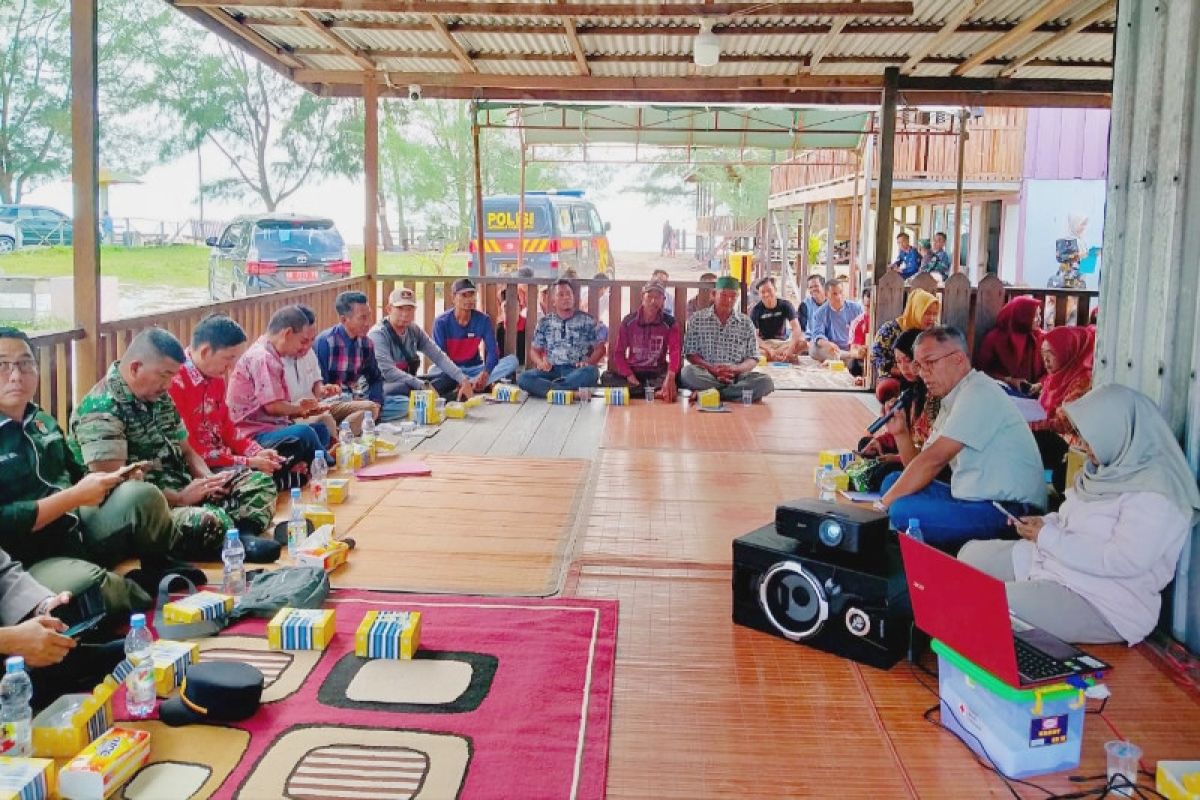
x=186, y=266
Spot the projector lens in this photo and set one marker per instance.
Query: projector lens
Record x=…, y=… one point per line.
x=830, y=533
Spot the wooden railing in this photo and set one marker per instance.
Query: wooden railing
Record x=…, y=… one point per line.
x=973, y=310
x=55, y=353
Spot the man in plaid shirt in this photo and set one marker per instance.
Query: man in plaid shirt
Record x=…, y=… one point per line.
x=347, y=356
x=721, y=349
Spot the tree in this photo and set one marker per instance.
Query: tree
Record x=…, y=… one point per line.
x=275, y=136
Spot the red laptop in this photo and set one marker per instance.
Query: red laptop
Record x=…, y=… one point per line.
x=968, y=611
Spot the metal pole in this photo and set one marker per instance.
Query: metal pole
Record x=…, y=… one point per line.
x=887, y=154
x=371, y=178
x=85, y=174
x=521, y=210
x=482, y=263
x=956, y=264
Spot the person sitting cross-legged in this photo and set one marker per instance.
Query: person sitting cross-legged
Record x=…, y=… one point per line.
x=980, y=435
x=648, y=347
x=64, y=524
x=780, y=337
x=347, y=357
x=830, y=326
x=721, y=348
x=399, y=343
x=567, y=346
x=467, y=336
x=128, y=418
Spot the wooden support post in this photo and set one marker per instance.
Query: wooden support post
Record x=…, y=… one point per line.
x=830, y=237
x=956, y=263
x=482, y=255
x=887, y=152
x=521, y=208
x=805, y=233
x=371, y=178
x=85, y=139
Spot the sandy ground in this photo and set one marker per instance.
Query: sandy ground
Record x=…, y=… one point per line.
x=636, y=266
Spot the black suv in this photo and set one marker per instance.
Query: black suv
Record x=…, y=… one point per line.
x=267, y=252
x=39, y=225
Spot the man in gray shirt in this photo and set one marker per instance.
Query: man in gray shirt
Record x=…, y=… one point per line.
x=980, y=435
x=400, y=342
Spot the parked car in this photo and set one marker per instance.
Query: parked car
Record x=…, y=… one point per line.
x=562, y=231
x=268, y=252
x=10, y=237
x=38, y=225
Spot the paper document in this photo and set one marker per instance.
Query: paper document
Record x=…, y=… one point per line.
x=1030, y=408
x=862, y=497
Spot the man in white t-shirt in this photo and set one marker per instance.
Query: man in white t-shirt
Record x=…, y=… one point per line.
x=303, y=376
x=980, y=435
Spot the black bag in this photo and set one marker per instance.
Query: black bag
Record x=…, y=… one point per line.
x=286, y=587
x=296, y=457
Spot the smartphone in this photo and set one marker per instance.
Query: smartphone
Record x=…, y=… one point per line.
x=145, y=466
x=80, y=628
x=1006, y=513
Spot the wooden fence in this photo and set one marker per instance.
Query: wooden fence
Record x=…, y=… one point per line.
x=55, y=354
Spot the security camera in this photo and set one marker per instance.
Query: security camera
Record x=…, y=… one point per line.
x=414, y=91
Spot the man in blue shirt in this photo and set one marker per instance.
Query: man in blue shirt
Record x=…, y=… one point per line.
x=462, y=332
x=567, y=345
x=816, y=299
x=831, y=324
x=908, y=261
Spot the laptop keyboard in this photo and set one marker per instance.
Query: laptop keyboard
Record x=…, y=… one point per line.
x=1034, y=665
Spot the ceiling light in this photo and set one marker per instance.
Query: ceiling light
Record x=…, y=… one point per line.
x=706, y=48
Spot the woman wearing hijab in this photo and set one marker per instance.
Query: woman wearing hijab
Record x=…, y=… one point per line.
x=920, y=313
x=1011, y=351
x=1093, y=572
x=1067, y=355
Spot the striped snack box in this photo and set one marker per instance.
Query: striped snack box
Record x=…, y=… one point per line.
x=337, y=490
x=170, y=661
x=838, y=459
x=560, y=397
x=318, y=515
x=616, y=397
x=709, y=398
x=105, y=765
x=26, y=778
x=388, y=634
x=67, y=725
x=198, y=607
x=300, y=629
x=506, y=393
x=422, y=406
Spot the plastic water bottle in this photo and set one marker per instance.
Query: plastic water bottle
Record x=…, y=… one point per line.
x=16, y=717
x=828, y=485
x=914, y=529
x=318, y=474
x=345, y=445
x=233, y=556
x=368, y=431
x=297, y=528
x=139, y=685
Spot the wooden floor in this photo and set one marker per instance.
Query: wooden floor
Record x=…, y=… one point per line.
x=644, y=503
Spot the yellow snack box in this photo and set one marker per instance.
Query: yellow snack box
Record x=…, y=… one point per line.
x=337, y=490
x=26, y=778
x=1178, y=780
x=709, y=398
x=422, y=406
x=474, y=401
x=198, y=607
x=838, y=459
x=560, y=397
x=506, y=393
x=319, y=515
x=385, y=447
x=836, y=365
x=328, y=558
x=840, y=478
x=616, y=397
x=455, y=410
x=105, y=765
x=300, y=629
x=388, y=634
x=360, y=456
x=1075, y=461
x=67, y=725
x=171, y=660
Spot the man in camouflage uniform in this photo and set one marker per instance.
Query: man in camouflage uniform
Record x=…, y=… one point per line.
x=128, y=417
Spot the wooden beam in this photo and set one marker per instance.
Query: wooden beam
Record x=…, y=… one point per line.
x=85, y=174
x=460, y=8
x=955, y=265
x=825, y=45
x=480, y=251
x=949, y=30
x=251, y=37
x=865, y=84
x=576, y=47
x=333, y=40
x=887, y=153
x=1098, y=13
x=982, y=86
x=460, y=53
x=371, y=176
x=1050, y=10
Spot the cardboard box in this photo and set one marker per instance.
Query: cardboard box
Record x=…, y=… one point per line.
x=385, y=446
x=474, y=401
x=319, y=515
x=840, y=477
x=838, y=459
x=105, y=765
x=507, y=393
x=198, y=607
x=1178, y=780
x=1075, y=461
x=836, y=365
x=616, y=397
x=301, y=629
x=170, y=661
x=360, y=456
x=455, y=410
x=709, y=398
x=71, y=722
x=337, y=490
x=328, y=558
x=422, y=406
x=388, y=634
x=26, y=778
x=560, y=397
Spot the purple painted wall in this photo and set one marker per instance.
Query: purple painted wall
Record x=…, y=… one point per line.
x=1066, y=143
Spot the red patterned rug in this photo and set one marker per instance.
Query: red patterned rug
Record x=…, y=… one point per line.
x=508, y=698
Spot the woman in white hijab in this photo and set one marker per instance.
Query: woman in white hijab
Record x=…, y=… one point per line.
x=1093, y=572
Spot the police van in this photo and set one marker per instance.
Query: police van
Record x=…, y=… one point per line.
x=562, y=231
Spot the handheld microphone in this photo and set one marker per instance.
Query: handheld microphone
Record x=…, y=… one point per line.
x=901, y=403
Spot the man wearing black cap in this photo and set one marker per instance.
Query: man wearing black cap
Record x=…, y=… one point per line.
x=567, y=345
x=463, y=332
x=721, y=349
x=648, y=347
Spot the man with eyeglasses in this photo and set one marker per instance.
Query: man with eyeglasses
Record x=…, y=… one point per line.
x=59, y=520
x=980, y=435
